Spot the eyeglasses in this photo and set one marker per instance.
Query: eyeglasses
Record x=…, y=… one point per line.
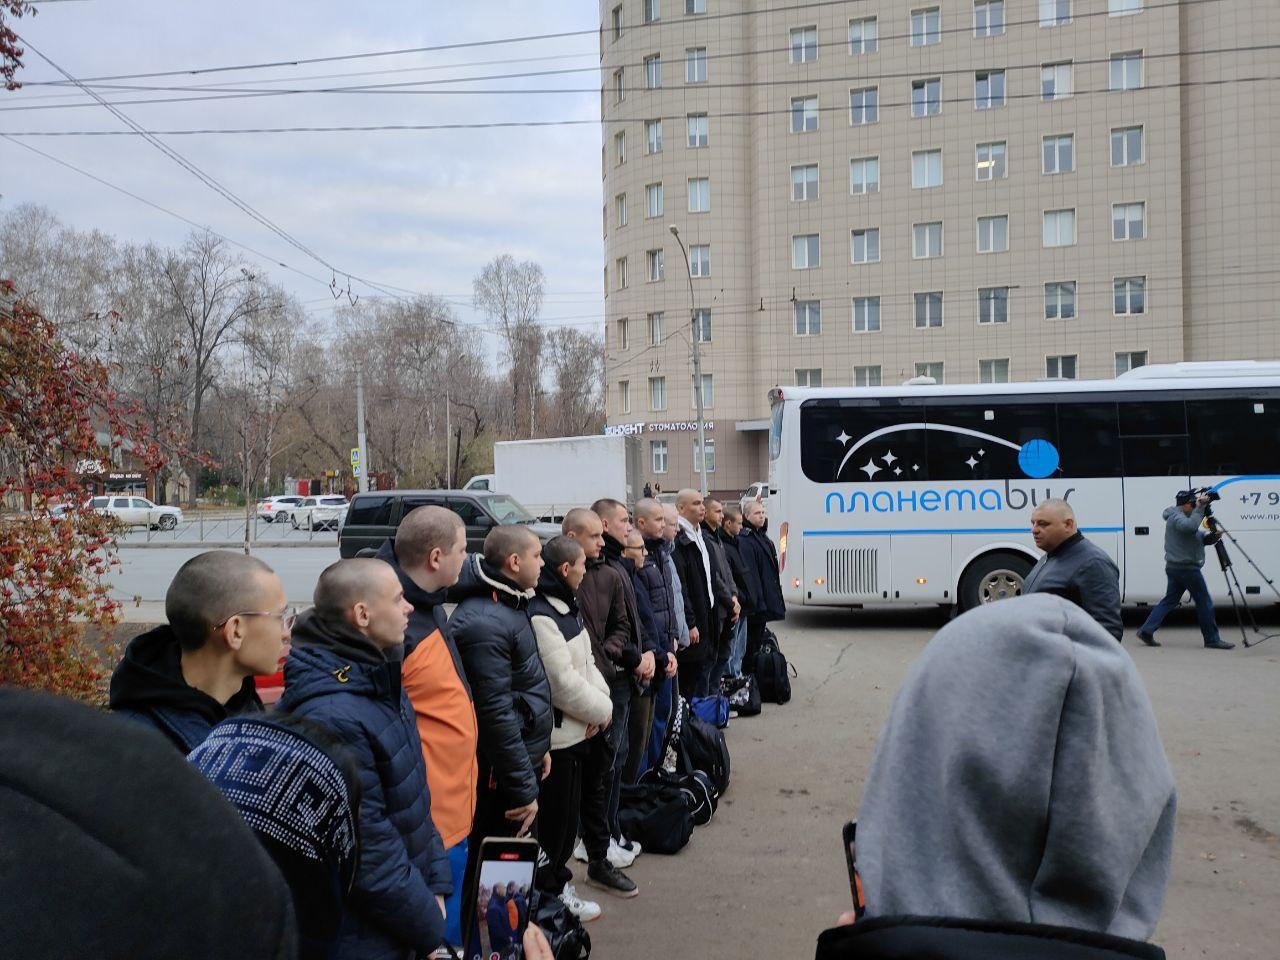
x=288, y=616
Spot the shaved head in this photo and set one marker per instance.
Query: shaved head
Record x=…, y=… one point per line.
x=1056, y=507
x=686, y=497
x=210, y=588
x=579, y=520
x=1052, y=523
x=425, y=529
x=344, y=584
x=649, y=509
x=506, y=541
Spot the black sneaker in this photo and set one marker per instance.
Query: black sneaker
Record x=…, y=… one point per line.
x=603, y=874
x=1148, y=639
x=1219, y=645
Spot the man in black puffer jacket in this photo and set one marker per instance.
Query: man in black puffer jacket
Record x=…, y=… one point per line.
x=508, y=684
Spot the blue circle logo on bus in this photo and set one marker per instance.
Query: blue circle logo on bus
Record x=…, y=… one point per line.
x=1038, y=459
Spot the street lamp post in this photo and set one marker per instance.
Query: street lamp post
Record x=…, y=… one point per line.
x=697, y=366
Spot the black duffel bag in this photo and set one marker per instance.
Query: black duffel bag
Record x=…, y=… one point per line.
x=743, y=693
x=569, y=940
x=658, y=816
x=697, y=787
x=772, y=671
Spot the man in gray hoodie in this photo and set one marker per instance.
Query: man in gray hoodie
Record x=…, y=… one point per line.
x=1020, y=787
x=1184, y=539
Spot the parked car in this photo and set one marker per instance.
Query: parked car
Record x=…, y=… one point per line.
x=481, y=481
x=318, y=513
x=272, y=509
x=137, y=512
x=373, y=517
x=757, y=491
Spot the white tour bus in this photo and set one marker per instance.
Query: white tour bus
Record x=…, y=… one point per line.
x=924, y=493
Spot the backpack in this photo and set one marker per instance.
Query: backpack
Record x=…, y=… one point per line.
x=772, y=671
x=714, y=710
x=565, y=933
x=743, y=693
x=697, y=788
x=693, y=744
x=658, y=816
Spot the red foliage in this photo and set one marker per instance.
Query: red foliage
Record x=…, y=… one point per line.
x=54, y=596
x=10, y=52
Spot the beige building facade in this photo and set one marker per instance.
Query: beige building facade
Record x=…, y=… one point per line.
x=974, y=191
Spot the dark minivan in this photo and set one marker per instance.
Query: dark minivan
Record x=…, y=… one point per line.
x=373, y=517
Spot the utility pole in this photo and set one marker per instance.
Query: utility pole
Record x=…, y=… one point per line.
x=697, y=366
x=360, y=438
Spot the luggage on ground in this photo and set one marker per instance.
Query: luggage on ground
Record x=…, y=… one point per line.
x=697, y=787
x=658, y=816
x=773, y=673
x=743, y=694
x=569, y=940
x=693, y=744
x=714, y=709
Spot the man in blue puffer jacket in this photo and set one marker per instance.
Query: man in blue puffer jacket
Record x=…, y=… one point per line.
x=344, y=673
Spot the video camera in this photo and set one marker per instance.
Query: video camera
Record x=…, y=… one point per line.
x=1208, y=493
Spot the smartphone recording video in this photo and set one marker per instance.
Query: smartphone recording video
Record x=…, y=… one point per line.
x=499, y=904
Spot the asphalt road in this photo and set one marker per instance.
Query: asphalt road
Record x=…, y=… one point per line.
x=145, y=574
x=197, y=527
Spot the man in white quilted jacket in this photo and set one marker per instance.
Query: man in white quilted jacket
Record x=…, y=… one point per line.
x=582, y=705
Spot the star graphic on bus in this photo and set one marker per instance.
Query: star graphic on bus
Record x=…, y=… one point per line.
x=1036, y=457
x=844, y=438
x=871, y=469
x=889, y=458
x=971, y=462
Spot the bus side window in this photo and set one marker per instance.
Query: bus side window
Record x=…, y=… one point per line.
x=968, y=453
x=1233, y=437
x=895, y=456
x=1088, y=440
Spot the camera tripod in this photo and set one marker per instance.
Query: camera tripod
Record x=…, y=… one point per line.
x=1238, y=603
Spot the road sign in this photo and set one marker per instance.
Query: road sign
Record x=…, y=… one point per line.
x=355, y=469
x=355, y=456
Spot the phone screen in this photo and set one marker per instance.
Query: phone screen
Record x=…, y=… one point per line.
x=498, y=908
x=851, y=861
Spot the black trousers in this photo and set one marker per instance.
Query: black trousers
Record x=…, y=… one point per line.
x=559, y=800
x=755, y=637
x=596, y=787
x=640, y=723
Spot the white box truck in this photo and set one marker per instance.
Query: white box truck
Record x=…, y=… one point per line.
x=552, y=476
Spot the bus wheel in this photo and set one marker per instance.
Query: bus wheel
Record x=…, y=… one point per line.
x=997, y=576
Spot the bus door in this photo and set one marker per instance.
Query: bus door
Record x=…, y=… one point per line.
x=1153, y=439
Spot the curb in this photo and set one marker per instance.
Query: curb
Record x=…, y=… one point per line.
x=222, y=545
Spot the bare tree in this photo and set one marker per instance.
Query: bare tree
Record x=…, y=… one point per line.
x=510, y=295
x=575, y=362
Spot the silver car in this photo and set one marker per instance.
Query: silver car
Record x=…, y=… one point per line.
x=137, y=512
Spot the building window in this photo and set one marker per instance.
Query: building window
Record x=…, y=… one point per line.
x=933, y=370
x=808, y=318
x=658, y=455
x=620, y=209
x=655, y=328
x=711, y=457
x=864, y=36
x=707, y=392
x=1126, y=146
x=700, y=260
x=619, y=85
x=993, y=371
x=805, y=252
x=993, y=234
x=617, y=22
x=695, y=65
x=692, y=7
x=653, y=200
x=928, y=309
x=804, y=182
x=926, y=169
x=993, y=305
x=864, y=175
x=804, y=114
x=1131, y=296
x=624, y=396
x=1128, y=221
x=606, y=281
x=809, y=377
x=1055, y=13
x=1059, y=228
x=1062, y=367
x=620, y=272
x=864, y=105
x=657, y=393
x=988, y=89
x=1056, y=81
x=652, y=10
x=653, y=72
x=699, y=130
x=866, y=376
x=700, y=195
x=1130, y=360
x=926, y=27
x=926, y=240
x=1122, y=8
x=866, y=314
x=866, y=245
x=656, y=264
x=991, y=163
x=1060, y=300
x=988, y=18
x=702, y=324
x=1126, y=70
x=652, y=136
x=804, y=44
x=620, y=147
x=1059, y=153
x=926, y=97
x=624, y=334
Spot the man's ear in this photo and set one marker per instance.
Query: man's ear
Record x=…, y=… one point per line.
x=360, y=614
x=229, y=634
x=434, y=558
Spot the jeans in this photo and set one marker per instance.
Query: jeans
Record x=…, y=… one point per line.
x=1183, y=580
x=620, y=692
x=663, y=694
x=640, y=726
x=720, y=661
x=453, y=905
x=738, y=646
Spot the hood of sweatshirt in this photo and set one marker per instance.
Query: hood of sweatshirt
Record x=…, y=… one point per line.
x=479, y=579
x=330, y=654
x=551, y=584
x=1021, y=777
x=150, y=676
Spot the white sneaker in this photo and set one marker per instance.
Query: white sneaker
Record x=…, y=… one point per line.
x=618, y=857
x=580, y=852
x=631, y=846
x=584, y=910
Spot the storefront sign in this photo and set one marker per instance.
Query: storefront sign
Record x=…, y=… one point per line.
x=634, y=429
x=90, y=466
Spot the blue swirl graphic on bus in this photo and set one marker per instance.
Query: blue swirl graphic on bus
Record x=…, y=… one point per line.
x=1037, y=458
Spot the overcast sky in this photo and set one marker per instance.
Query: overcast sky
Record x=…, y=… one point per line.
x=422, y=210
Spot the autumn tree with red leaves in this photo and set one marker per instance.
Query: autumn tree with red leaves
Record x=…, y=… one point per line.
x=55, y=603
x=10, y=52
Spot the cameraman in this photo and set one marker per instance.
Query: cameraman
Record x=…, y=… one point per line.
x=1184, y=539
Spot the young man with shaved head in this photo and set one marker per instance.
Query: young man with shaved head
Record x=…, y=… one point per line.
x=344, y=673
x=698, y=575
x=228, y=622
x=1074, y=567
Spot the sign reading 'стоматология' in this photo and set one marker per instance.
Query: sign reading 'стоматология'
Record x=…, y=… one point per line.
x=680, y=426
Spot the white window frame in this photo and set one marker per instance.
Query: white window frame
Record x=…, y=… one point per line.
x=809, y=378
x=656, y=321
x=624, y=334
x=808, y=113
x=652, y=144
x=617, y=23
x=652, y=11
x=654, y=191
x=1128, y=283
x=1056, y=139
x=694, y=134
x=989, y=103
x=796, y=238
x=624, y=396
x=1059, y=288
x=1129, y=356
x=805, y=192
x=920, y=34
x=924, y=231
x=695, y=65
x=696, y=194
x=1054, y=17
x=926, y=156
x=870, y=320
x=1124, y=60
x=863, y=110
x=869, y=186
x=992, y=223
x=695, y=8
x=870, y=237
x=655, y=265
x=620, y=148
x=702, y=324
x=868, y=40
x=699, y=260
x=620, y=272
x=657, y=392
x=708, y=391
x=1123, y=132
x=711, y=456
x=806, y=318
x=996, y=168
x=917, y=302
x=1123, y=8
x=993, y=370
x=1075, y=227
x=984, y=30
x=658, y=456
x=926, y=102
x=653, y=72
x=928, y=368
x=808, y=53
x=620, y=210
x=864, y=374
x=1063, y=89
x=1124, y=210
x=620, y=85
x=994, y=321
x=1058, y=361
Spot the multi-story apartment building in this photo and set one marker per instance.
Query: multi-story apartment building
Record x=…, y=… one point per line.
x=973, y=190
